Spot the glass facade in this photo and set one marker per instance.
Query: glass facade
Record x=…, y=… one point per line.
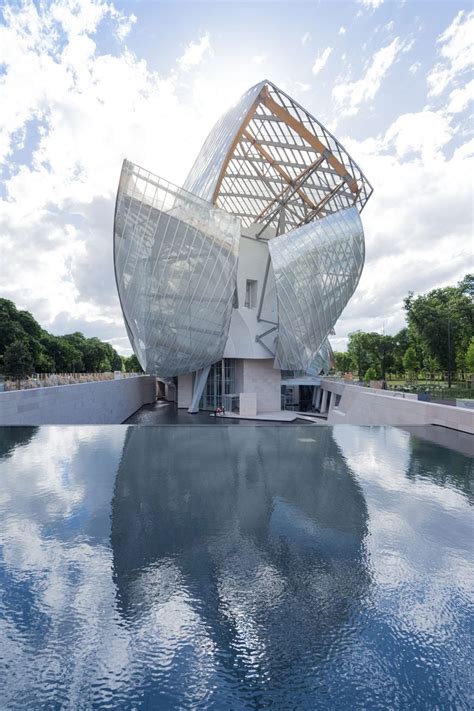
x=175, y=265
x=317, y=268
x=220, y=383
x=269, y=171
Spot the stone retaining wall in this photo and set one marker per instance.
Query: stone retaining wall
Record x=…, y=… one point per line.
x=105, y=402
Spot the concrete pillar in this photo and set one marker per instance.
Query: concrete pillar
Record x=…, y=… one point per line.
x=317, y=401
x=331, y=401
x=199, y=383
x=185, y=390
x=322, y=407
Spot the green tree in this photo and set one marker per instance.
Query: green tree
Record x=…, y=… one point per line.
x=66, y=358
x=94, y=354
x=11, y=328
x=469, y=360
x=442, y=321
x=370, y=374
x=357, y=349
x=116, y=363
x=410, y=360
x=371, y=350
x=431, y=364
x=70, y=353
x=343, y=362
x=17, y=360
x=132, y=365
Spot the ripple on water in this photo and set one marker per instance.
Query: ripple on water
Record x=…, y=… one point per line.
x=168, y=568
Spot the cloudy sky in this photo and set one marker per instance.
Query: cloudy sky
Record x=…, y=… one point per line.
x=85, y=83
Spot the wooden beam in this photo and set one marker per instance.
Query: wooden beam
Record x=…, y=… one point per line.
x=323, y=202
x=276, y=166
x=296, y=181
x=310, y=138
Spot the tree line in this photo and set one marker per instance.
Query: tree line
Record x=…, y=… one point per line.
x=26, y=348
x=438, y=337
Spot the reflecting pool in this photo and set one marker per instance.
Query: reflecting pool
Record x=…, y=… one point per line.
x=234, y=568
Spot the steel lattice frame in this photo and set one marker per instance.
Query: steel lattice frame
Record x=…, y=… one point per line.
x=267, y=152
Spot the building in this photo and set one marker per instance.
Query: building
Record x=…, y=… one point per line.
x=231, y=285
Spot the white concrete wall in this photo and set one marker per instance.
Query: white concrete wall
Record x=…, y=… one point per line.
x=261, y=378
x=361, y=406
x=185, y=390
x=102, y=402
x=248, y=404
x=170, y=392
x=465, y=403
x=239, y=376
x=244, y=326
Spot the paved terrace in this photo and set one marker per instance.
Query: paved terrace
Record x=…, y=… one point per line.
x=165, y=413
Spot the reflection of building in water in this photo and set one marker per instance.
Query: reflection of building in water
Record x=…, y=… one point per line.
x=12, y=437
x=260, y=560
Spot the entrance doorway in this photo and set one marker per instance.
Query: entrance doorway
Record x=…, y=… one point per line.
x=220, y=382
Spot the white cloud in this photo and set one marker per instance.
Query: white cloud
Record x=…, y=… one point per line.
x=125, y=25
x=195, y=53
x=258, y=59
x=77, y=111
x=301, y=86
x=305, y=38
x=418, y=221
x=89, y=110
x=455, y=51
x=425, y=133
x=373, y=4
x=413, y=68
x=459, y=99
x=342, y=30
x=321, y=60
x=350, y=95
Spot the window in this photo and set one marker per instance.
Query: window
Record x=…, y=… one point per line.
x=251, y=294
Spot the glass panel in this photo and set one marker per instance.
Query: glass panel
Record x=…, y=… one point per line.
x=220, y=383
x=175, y=265
x=317, y=268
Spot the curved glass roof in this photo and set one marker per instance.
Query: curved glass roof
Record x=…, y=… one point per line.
x=268, y=152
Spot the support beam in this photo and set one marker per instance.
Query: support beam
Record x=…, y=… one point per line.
x=310, y=138
x=289, y=194
x=276, y=166
x=323, y=405
x=320, y=205
x=283, y=195
x=237, y=137
x=199, y=383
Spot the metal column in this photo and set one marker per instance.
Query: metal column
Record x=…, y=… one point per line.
x=199, y=383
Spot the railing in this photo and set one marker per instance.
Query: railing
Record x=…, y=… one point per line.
x=44, y=380
x=435, y=389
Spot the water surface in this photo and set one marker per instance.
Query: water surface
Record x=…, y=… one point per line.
x=237, y=567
